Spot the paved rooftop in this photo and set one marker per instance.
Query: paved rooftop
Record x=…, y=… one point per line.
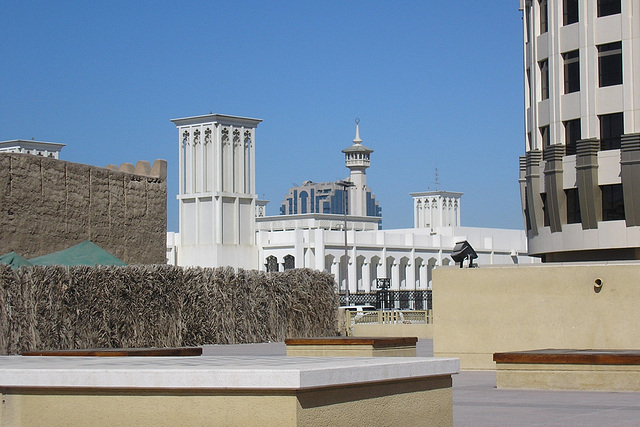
x=477, y=401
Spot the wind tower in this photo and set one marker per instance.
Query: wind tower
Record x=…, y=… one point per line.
x=357, y=159
x=217, y=195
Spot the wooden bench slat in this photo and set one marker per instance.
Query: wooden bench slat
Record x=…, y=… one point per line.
x=120, y=352
x=569, y=356
x=376, y=342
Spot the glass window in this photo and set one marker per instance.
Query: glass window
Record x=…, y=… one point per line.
x=608, y=7
x=295, y=202
x=544, y=135
x=526, y=209
x=569, y=11
x=571, y=71
x=303, y=202
x=544, y=78
x=529, y=87
x=611, y=130
x=572, y=133
x=543, y=16
x=610, y=64
x=573, y=206
x=612, y=202
x=545, y=210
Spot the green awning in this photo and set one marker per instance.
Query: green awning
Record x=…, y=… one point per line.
x=14, y=260
x=85, y=253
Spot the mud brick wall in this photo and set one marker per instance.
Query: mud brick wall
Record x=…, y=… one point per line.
x=47, y=205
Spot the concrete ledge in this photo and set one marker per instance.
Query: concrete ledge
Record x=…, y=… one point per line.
x=352, y=347
x=557, y=369
x=420, y=330
x=224, y=390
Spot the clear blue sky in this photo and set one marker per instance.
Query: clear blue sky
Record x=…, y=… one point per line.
x=435, y=85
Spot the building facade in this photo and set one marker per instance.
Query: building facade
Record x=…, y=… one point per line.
x=406, y=256
x=580, y=175
x=37, y=148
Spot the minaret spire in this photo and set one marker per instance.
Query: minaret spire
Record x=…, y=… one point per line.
x=357, y=139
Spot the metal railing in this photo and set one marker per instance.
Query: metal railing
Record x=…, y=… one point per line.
x=389, y=317
x=403, y=300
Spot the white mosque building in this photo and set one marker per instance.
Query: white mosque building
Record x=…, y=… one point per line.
x=217, y=192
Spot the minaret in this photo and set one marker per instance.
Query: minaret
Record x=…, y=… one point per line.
x=357, y=159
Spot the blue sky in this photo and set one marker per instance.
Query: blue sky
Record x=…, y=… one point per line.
x=435, y=85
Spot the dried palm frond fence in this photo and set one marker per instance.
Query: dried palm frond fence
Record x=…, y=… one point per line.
x=55, y=307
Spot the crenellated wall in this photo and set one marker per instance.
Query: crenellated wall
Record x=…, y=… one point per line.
x=47, y=205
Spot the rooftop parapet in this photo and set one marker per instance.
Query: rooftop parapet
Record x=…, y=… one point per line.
x=143, y=168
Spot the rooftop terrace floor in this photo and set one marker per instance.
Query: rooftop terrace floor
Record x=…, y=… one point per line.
x=477, y=401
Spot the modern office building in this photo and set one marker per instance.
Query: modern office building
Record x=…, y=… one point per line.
x=580, y=175
x=325, y=198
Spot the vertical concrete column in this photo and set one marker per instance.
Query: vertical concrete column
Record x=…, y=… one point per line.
x=320, y=250
x=195, y=167
x=411, y=275
x=335, y=270
x=198, y=152
x=238, y=154
x=630, y=168
x=382, y=268
x=395, y=275
x=299, y=246
x=252, y=163
x=235, y=221
x=246, y=176
x=217, y=220
x=366, y=276
x=411, y=271
x=183, y=135
x=352, y=263
x=188, y=152
x=218, y=159
x=534, y=201
x=587, y=182
x=556, y=199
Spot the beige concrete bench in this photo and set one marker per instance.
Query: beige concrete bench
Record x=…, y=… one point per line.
x=352, y=346
x=229, y=391
x=561, y=369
